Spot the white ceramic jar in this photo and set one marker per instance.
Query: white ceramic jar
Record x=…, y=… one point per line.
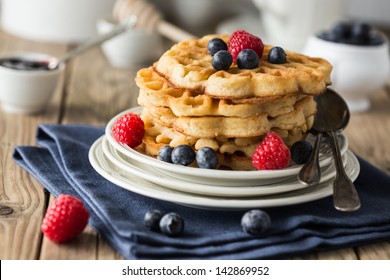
x=58, y=21
x=27, y=91
x=289, y=23
x=133, y=49
x=358, y=71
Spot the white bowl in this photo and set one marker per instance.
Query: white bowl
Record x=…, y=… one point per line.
x=132, y=48
x=358, y=71
x=27, y=91
x=57, y=21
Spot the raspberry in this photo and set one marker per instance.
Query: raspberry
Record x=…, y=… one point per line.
x=65, y=219
x=241, y=40
x=272, y=153
x=129, y=129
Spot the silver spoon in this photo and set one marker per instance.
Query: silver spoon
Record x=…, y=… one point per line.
x=120, y=28
x=332, y=116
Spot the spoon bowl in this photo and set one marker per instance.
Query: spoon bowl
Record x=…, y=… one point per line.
x=332, y=117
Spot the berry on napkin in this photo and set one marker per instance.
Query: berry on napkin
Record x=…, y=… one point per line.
x=65, y=219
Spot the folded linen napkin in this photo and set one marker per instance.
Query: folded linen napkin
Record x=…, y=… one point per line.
x=61, y=164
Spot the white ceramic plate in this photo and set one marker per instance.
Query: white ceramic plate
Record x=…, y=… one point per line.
x=126, y=164
x=216, y=177
x=138, y=185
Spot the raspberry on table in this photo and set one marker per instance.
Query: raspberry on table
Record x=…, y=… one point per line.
x=129, y=129
x=240, y=40
x=271, y=153
x=65, y=219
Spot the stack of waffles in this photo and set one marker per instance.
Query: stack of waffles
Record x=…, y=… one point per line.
x=186, y=101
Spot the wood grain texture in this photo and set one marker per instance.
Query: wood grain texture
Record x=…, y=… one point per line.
x=20, y=231
x=92, y=92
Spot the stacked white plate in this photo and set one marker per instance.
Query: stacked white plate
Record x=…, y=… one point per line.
x=212, y=189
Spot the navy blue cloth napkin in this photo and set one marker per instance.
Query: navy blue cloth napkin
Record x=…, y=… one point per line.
x=60, y=162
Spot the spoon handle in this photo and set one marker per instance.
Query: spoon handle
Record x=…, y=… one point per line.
x=310, y=173
x=120, y=28
x=345, y=196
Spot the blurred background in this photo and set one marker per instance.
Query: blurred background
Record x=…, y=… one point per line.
x=283, y=21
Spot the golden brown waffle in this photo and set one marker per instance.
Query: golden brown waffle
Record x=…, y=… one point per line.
x=188, y=65
x=235, y=153
x=211, y=126
x=155, y=91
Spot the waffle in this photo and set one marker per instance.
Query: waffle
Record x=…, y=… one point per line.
x=233, y=153
x=188, y=65
x=155, y=91
x=210, y=126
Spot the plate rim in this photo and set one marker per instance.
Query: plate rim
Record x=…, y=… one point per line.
x=205, y=189
x=205, y=202
x=223, y=175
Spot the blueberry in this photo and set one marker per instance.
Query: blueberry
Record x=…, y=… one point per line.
x=152, y=220
x=165, y=153
x=222, y=60
x=215, y=45
x=276, y=55
x=341, y=31
x=247, y=59
x=376, y=40
x=255, y=222
x=171, y=224
x=206, y=157
x=301, y=151
x=22, y=64
x=360, y=33
x=327, y=36
x=183, y=155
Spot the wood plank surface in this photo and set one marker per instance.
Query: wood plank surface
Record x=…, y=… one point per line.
x=92, y=92
x=20, y=227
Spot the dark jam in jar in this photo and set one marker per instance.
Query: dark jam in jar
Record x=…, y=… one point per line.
x=23, y=64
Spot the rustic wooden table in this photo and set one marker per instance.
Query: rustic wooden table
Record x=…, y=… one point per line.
x=91, y=92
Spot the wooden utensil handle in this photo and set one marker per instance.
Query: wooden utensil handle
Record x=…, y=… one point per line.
x=173, y=32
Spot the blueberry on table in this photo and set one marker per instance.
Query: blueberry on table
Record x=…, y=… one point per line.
x=222, y=60
x=276, y=55
x=165, y=153
x=152, y=220
x=301, y=151
x=207, y=158
x=215, y=45
x=183, y=155
x=172, y=224
x=255, y=222
x=247, y=59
